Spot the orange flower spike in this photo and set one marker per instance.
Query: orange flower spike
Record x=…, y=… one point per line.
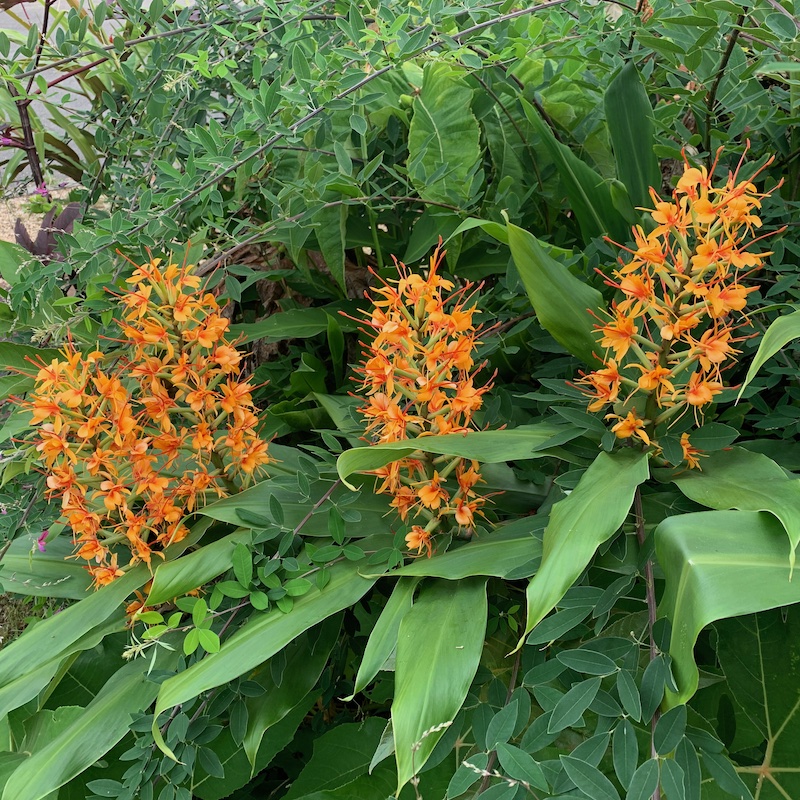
x=714, y=347
x=102, y=576
x=656, y=379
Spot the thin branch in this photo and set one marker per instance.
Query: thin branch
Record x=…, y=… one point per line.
x=650, y=592
x=711, y=100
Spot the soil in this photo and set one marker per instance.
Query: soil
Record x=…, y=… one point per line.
x=13, y=208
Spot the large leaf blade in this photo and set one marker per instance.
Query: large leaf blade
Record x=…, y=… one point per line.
x=488, y=447
x=782, y=331
x=438, y=651
x=717, y=564
x=562, y=301
x=260, y=638
x=629, y=116
x=580, y=523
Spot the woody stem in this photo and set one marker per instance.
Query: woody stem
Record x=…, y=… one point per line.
x=650, y=593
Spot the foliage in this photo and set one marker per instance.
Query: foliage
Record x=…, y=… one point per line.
x=449, y=583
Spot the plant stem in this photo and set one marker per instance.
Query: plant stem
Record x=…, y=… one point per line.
x=650, y=593
x=512, y=684
x=712, y=95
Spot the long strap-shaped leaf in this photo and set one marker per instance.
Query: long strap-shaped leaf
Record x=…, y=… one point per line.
x=438, y=651
x=778, y=335
x=488, y=447
x=589, y=195
x=580, y=523
x=104, y=722
x=717, y=564
x=630, y=125
x=259, y=639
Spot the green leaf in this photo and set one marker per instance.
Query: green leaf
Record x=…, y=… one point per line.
x=511, y=549
x=588, y=662
x=465, y=776
x=444, y=138
x=625, y=752
x=699, y=553
x=738, y=478
x=759, y=655
x=242, y=561
x=175, y=578
x=260, y=638
x=672, y=780
x=501, y=726
x=306, y=657
x=383, y=639
x=686, y=758
x=47, y=574
x=15, y=356
x=669, y=730
x=569, y=709
x=589, y=195
x=629, y=695
x=488, y=447
x=438, y=652
x=562, y=302
x=89, y=737
x=521, y=766
x=784, y=330
x=299, y=323
x=629, y=116
x=340, y=756
x=589, y=779
x=580, y=523
x=644, y=782
x=13, y=258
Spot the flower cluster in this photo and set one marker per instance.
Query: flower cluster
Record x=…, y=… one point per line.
x=134, y=440
x=670, y=335
x=419, y=378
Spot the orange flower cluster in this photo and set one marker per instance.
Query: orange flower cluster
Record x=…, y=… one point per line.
x=131, y=448
x=419, y=377
x=670, y=335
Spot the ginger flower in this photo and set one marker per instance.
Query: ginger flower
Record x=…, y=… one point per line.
x=133, y=441
x=418, y=378
x=669, y=335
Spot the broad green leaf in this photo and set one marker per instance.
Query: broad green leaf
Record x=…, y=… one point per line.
x=717, y=564
x=590, y=515
x=383, y=639
x=669, y=730
x=625, y=752
x=444, y=152
x=589, y=779
x=672, y=780
x=438, y=651
x=629, y=695
x=260, y=638
x=489, y=447
x=501, y=726
x=372, y=508
x=305, y=659
x=629, y=116
x=465, y=776
x=15, y=384
x=760, y=656
x=29, y=572
x=521, y=766
x=103, y=723
x=299, y=323
x=13, y=258
x=175, y=578
x=741, y=479
x=237, y=768
x=569, y=709
x=512, y=549
x=15, y=356
x=54, y=635
x=562, y=302
x=589, y=195
x=331, y=232
x=340, y=756
x=784, y=330
x=644, y=782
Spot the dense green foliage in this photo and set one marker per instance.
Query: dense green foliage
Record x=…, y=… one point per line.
x=618, y=625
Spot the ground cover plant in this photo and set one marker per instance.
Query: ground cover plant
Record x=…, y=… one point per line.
x=407, y=405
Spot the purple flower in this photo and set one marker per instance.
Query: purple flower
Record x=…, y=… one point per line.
x=41, y=541
x=42, y=189
x=6, y=140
